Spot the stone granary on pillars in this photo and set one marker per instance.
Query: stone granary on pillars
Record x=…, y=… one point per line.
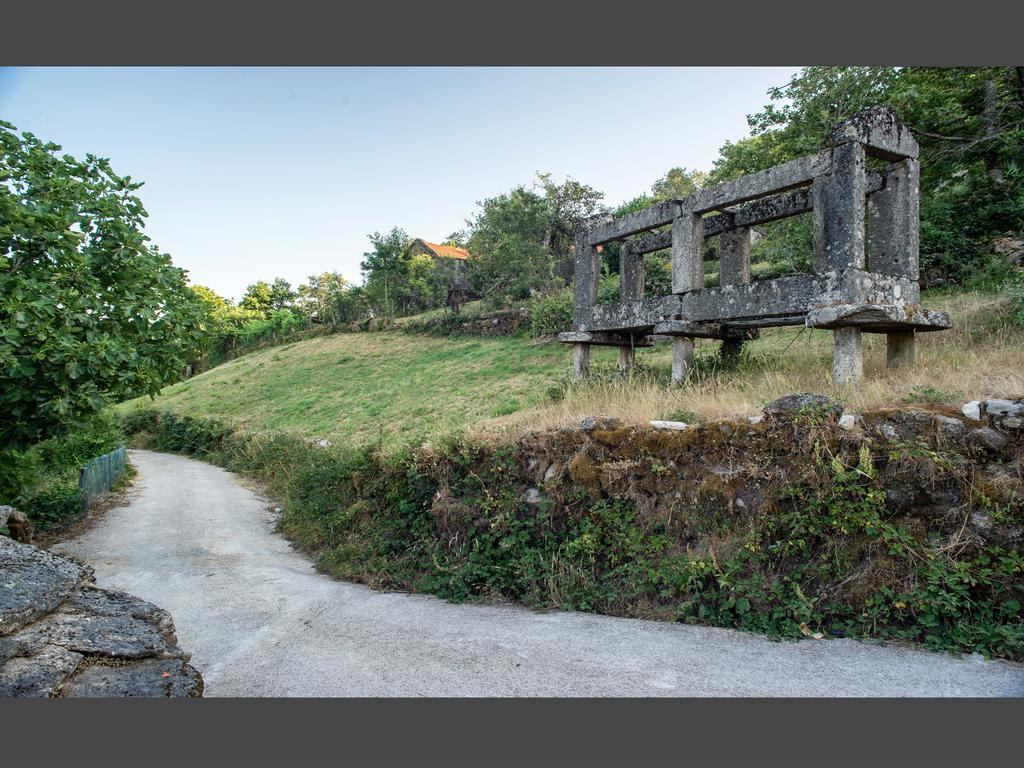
x=865, y=267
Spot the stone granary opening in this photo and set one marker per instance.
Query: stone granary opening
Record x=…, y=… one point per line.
x=864, y=276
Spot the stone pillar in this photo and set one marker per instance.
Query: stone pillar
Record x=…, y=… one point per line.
x=682, y=358
x=631, y=287
x=631, y=272
x=580, y=361
x=847, y=361
x=894, y=223
x=734, y=249
x=626, y=357
x=899, y=349
x=734, y=269
x=687, y=275
x=839, y=212
x=687, y=253
x=584, y=295
x=731, y=352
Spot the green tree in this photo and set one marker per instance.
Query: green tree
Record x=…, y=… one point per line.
x=90, y=313
x=264, y=297
x=507, y=240
x=399, y=282
x=281, y=294
x=257, y=298
x=969, y=122
x=522, y=240
x=220, y=314
x=425, y=285
x=568, y=204
x=384, y=269
x=223, y=322
x=678, y=183
x=329, y=298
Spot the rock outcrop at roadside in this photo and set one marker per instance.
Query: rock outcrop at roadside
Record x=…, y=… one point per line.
x=62, y=636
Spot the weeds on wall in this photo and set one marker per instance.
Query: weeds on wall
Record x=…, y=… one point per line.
x=829, y=559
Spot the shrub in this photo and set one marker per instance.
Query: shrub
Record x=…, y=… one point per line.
x=46, y=475
x=454, y=522
x=551, y=314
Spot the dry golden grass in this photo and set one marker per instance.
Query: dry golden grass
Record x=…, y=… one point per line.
x=981, y=356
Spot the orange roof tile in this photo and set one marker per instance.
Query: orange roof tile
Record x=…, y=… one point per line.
x=447, y=251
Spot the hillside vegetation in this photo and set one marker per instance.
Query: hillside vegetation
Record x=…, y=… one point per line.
x=363, y=388
x=396, y=389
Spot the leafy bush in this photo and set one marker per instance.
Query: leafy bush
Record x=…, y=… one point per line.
x=278, y=326
x=551, y=314
x=44, y=483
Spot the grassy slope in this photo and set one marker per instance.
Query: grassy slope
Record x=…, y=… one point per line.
x=400, y=388
x=368, y=386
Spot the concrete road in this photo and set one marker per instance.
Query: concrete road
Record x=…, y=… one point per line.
x=260, y=621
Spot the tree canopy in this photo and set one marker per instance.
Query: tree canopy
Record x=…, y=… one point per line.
x=398, y=281
x=969, y=122
x=90, y=312
x=519, y=238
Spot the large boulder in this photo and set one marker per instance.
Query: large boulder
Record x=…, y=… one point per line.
x=33, y=582
x=61, y=635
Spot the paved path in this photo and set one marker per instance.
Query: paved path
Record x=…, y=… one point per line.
x=260, y=621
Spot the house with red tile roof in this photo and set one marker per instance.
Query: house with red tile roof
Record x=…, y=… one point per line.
x=453, y=260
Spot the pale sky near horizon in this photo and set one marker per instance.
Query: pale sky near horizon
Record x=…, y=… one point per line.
x=256, y=173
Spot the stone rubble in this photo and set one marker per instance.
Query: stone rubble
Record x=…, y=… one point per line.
x=60, y=635
x=972, y=410
x=676, y=425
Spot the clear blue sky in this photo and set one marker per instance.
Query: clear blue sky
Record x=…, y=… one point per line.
x=257, y=173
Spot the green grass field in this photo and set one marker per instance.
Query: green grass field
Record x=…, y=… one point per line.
x=396, y=388
x=389, y=387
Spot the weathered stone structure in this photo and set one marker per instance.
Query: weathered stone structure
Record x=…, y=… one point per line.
x=861, y=281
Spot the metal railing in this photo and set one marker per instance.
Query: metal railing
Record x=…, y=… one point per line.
x=101, y=474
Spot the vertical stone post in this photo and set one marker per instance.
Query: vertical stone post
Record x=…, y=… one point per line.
x=584, y=295
x=839, y=210
x=893, y=243
x=734, y=269
x=687, y=252
x=899, y=349
x=682, y=358
x=580, y=361
x=894, y=224
x=687, y=275
x=631, y=287
x=734, y=248
x=631, y=272
x=626, y=359
x=847, y=361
